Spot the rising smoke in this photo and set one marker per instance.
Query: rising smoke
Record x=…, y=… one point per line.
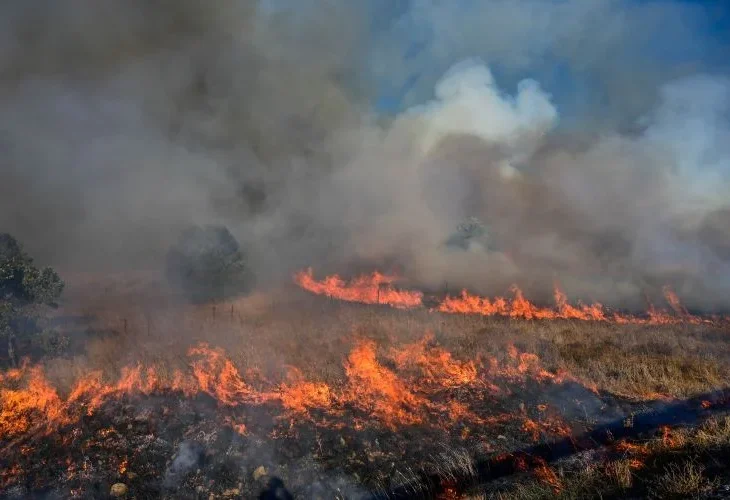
x=123, y=122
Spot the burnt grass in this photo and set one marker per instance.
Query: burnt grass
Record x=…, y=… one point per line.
x=166, y=445
x=175, y=447
x=171, y=446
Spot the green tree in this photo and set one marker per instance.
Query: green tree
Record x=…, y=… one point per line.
x=23, y=287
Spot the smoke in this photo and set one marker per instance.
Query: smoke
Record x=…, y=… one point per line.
x=124, y=123
x=189, y=456
x=587, y=135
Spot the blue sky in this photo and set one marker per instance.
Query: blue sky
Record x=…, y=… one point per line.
x=697, y=39
x=708, y=49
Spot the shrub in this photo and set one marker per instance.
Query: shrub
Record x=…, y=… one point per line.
x=22, y=285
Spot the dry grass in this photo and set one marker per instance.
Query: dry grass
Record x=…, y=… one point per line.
x=139, y=321
x=690, y=465
x=133, y=319
x=621, y=473
x=686, y=480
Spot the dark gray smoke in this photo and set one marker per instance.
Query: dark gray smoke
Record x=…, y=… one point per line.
x=123, y=122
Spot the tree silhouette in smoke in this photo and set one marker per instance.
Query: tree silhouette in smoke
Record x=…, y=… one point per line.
x=207, y=263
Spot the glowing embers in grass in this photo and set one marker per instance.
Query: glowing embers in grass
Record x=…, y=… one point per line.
x=523, y=462
x=375, y=288
x=545, y=474
x=415, y=384
x=638, y=452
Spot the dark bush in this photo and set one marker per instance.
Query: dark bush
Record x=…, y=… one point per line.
x=22, y=286
x=207, y=263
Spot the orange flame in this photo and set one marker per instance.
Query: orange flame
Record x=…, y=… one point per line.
x=412, y=392
x=217, y=376
x=546, y=475
x=378, y=288
x=674, y=302
x=300, y=395
x=520, y=307
x=374, y=289
x=378, y=390
x=20, y=406
x=436, y=364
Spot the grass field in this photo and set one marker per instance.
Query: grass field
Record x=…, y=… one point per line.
x=118, y=322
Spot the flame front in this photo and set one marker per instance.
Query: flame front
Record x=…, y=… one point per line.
x=521, y=308
x=379, y=391
x=410, y=394
x=369, y=289
x=378, y=288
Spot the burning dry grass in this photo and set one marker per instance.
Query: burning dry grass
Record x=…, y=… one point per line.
x=381, y=289
x=675, y=463
x=639, y=361
x=408, y=394
x=332, y=376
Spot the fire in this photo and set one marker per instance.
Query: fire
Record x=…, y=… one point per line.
x=583, y=312
x=436, y=364
x=378, y=390
x=217, y=376
x=636, y=453
x=300, y=395
x=373, y=289
x=20, y=407
x=238, y=427
x=547, y=475
x=8, y=476
x=671, y=439
x=523, y=364
x=410, y=389
x=473, y=304
x=378, y=288
x=532, y=428
x=449, y=491
x=520, y=307
x=674, y=302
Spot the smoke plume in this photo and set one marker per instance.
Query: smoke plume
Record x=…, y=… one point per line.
x=591, y=157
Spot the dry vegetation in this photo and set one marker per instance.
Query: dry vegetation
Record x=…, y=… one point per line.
x=689, y=463
x=114, y=324
x=135, y=321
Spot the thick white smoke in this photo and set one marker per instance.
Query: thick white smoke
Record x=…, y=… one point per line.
x=691, y=124
x=613, y=220
x=469, y=102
